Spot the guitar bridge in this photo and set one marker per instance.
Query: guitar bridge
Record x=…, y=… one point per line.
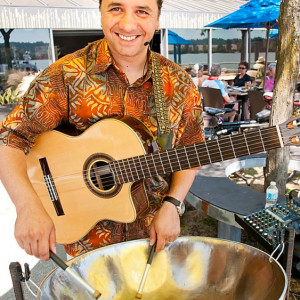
x=51, y=187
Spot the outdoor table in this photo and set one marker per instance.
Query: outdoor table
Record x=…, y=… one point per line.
x=221, y=198
x=243, y=95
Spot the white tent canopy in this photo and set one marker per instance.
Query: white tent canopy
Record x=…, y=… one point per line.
x=84, y=14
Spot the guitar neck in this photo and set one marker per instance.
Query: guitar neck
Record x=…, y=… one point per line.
x=196, y=155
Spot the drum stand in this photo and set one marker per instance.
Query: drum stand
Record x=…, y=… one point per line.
x=18, y=277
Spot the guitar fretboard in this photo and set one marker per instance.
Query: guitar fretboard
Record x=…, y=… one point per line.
x=187, y=157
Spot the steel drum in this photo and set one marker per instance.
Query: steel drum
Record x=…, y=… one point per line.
x=189, y=268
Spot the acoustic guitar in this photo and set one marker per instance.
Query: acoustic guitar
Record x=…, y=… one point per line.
x=84, y=179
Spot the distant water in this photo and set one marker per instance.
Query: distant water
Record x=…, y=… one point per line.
x=227, y=60
x=41, y=64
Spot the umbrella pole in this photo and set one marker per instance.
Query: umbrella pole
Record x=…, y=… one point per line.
x=249, y=47
x=266, y=58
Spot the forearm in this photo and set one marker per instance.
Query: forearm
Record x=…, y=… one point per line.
x=181, y=183
x=13, y=174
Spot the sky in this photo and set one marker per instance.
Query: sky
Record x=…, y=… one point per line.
x=28, y=35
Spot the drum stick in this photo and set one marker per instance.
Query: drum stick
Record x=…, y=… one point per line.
x=96, y=294
x=149, y=261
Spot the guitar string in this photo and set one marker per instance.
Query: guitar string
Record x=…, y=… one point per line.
x=120, y=170
x=236, y=148
x=223, y=151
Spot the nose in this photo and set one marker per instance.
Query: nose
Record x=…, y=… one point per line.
x=127, y=22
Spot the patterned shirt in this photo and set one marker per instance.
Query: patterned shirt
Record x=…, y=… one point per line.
x=86, y=86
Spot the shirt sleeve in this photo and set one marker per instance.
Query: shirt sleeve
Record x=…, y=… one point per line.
x=42, y=108
x=191, y=128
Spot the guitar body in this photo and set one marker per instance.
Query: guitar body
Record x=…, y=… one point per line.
x=70, y=161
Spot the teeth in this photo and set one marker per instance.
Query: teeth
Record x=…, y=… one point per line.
x=127, y=38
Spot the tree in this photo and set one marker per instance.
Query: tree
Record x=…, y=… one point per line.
x=285, y=82
x=6, y=36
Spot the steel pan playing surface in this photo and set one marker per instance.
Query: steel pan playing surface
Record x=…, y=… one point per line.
x=189, y=268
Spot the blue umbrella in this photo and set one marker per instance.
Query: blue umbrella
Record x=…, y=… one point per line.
x=177, y=41
x=254, y=14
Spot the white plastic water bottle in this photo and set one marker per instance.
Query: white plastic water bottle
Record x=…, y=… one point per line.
x=271, y=194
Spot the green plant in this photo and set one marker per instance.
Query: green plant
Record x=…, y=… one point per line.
x=9, y=96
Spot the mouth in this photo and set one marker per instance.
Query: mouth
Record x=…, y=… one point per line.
x=127, y=38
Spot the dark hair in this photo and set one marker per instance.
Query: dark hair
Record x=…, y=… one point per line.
x=244, y=63
x=159, y=4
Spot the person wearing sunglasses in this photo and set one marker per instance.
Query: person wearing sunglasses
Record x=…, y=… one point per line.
x=242, y=78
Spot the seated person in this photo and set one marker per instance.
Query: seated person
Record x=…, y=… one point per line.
x=242, y=78
x=269, y=85
x=259, y=66
x=214, y=82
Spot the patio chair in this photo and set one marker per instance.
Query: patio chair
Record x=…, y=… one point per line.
x=257, y=102
x=213, y=98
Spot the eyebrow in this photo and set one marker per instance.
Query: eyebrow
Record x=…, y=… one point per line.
x=139, y=7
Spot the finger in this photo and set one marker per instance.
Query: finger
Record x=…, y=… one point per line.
x=152, y=236
x=27, y=248
x=160, y=244
x=52, y=241
x=44, y=249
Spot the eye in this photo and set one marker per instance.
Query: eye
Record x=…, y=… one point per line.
x=142, y=12
x=115, y=9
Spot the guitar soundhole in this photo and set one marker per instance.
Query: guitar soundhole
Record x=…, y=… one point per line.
x=98, y=176
x=101, y=177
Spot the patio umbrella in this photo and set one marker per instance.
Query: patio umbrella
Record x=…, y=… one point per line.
x=254, y=14
x=177, y=41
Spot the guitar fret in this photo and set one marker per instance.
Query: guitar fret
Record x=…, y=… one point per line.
x=226, y=148
x=207, y=152
x=120, y=172
x=161, y=163
x=169, y=161
x=214, y=151
x=262, y=141
x=220, y=150
x=246, y=143
x=255, y=146
x=232, y=146
x=149, y=171
x=125, y=169
x=187, y=157
x=139, y=159
x=239, y=145
x=179, y=164
x=136, y=171
x=114, y=172
x=199, y=162
x=154, y=164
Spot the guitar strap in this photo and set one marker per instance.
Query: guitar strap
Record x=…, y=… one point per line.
x=164, y=133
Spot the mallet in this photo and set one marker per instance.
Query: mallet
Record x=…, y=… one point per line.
x=96, y=294
x=149, y=261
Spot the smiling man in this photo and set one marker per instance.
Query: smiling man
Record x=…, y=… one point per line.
x=108, y=78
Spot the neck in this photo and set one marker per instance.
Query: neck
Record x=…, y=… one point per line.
x=133, y=67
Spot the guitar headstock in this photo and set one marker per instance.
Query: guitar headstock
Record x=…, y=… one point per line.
x=290, y=131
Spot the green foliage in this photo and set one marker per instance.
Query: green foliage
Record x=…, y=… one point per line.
x=9, y=96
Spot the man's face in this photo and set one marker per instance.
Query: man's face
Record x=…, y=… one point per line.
x=128, y=24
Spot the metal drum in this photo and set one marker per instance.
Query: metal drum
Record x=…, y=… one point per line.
x=189, y=268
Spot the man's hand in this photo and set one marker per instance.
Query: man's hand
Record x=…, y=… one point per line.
x=35, y=232
x=165, y=226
